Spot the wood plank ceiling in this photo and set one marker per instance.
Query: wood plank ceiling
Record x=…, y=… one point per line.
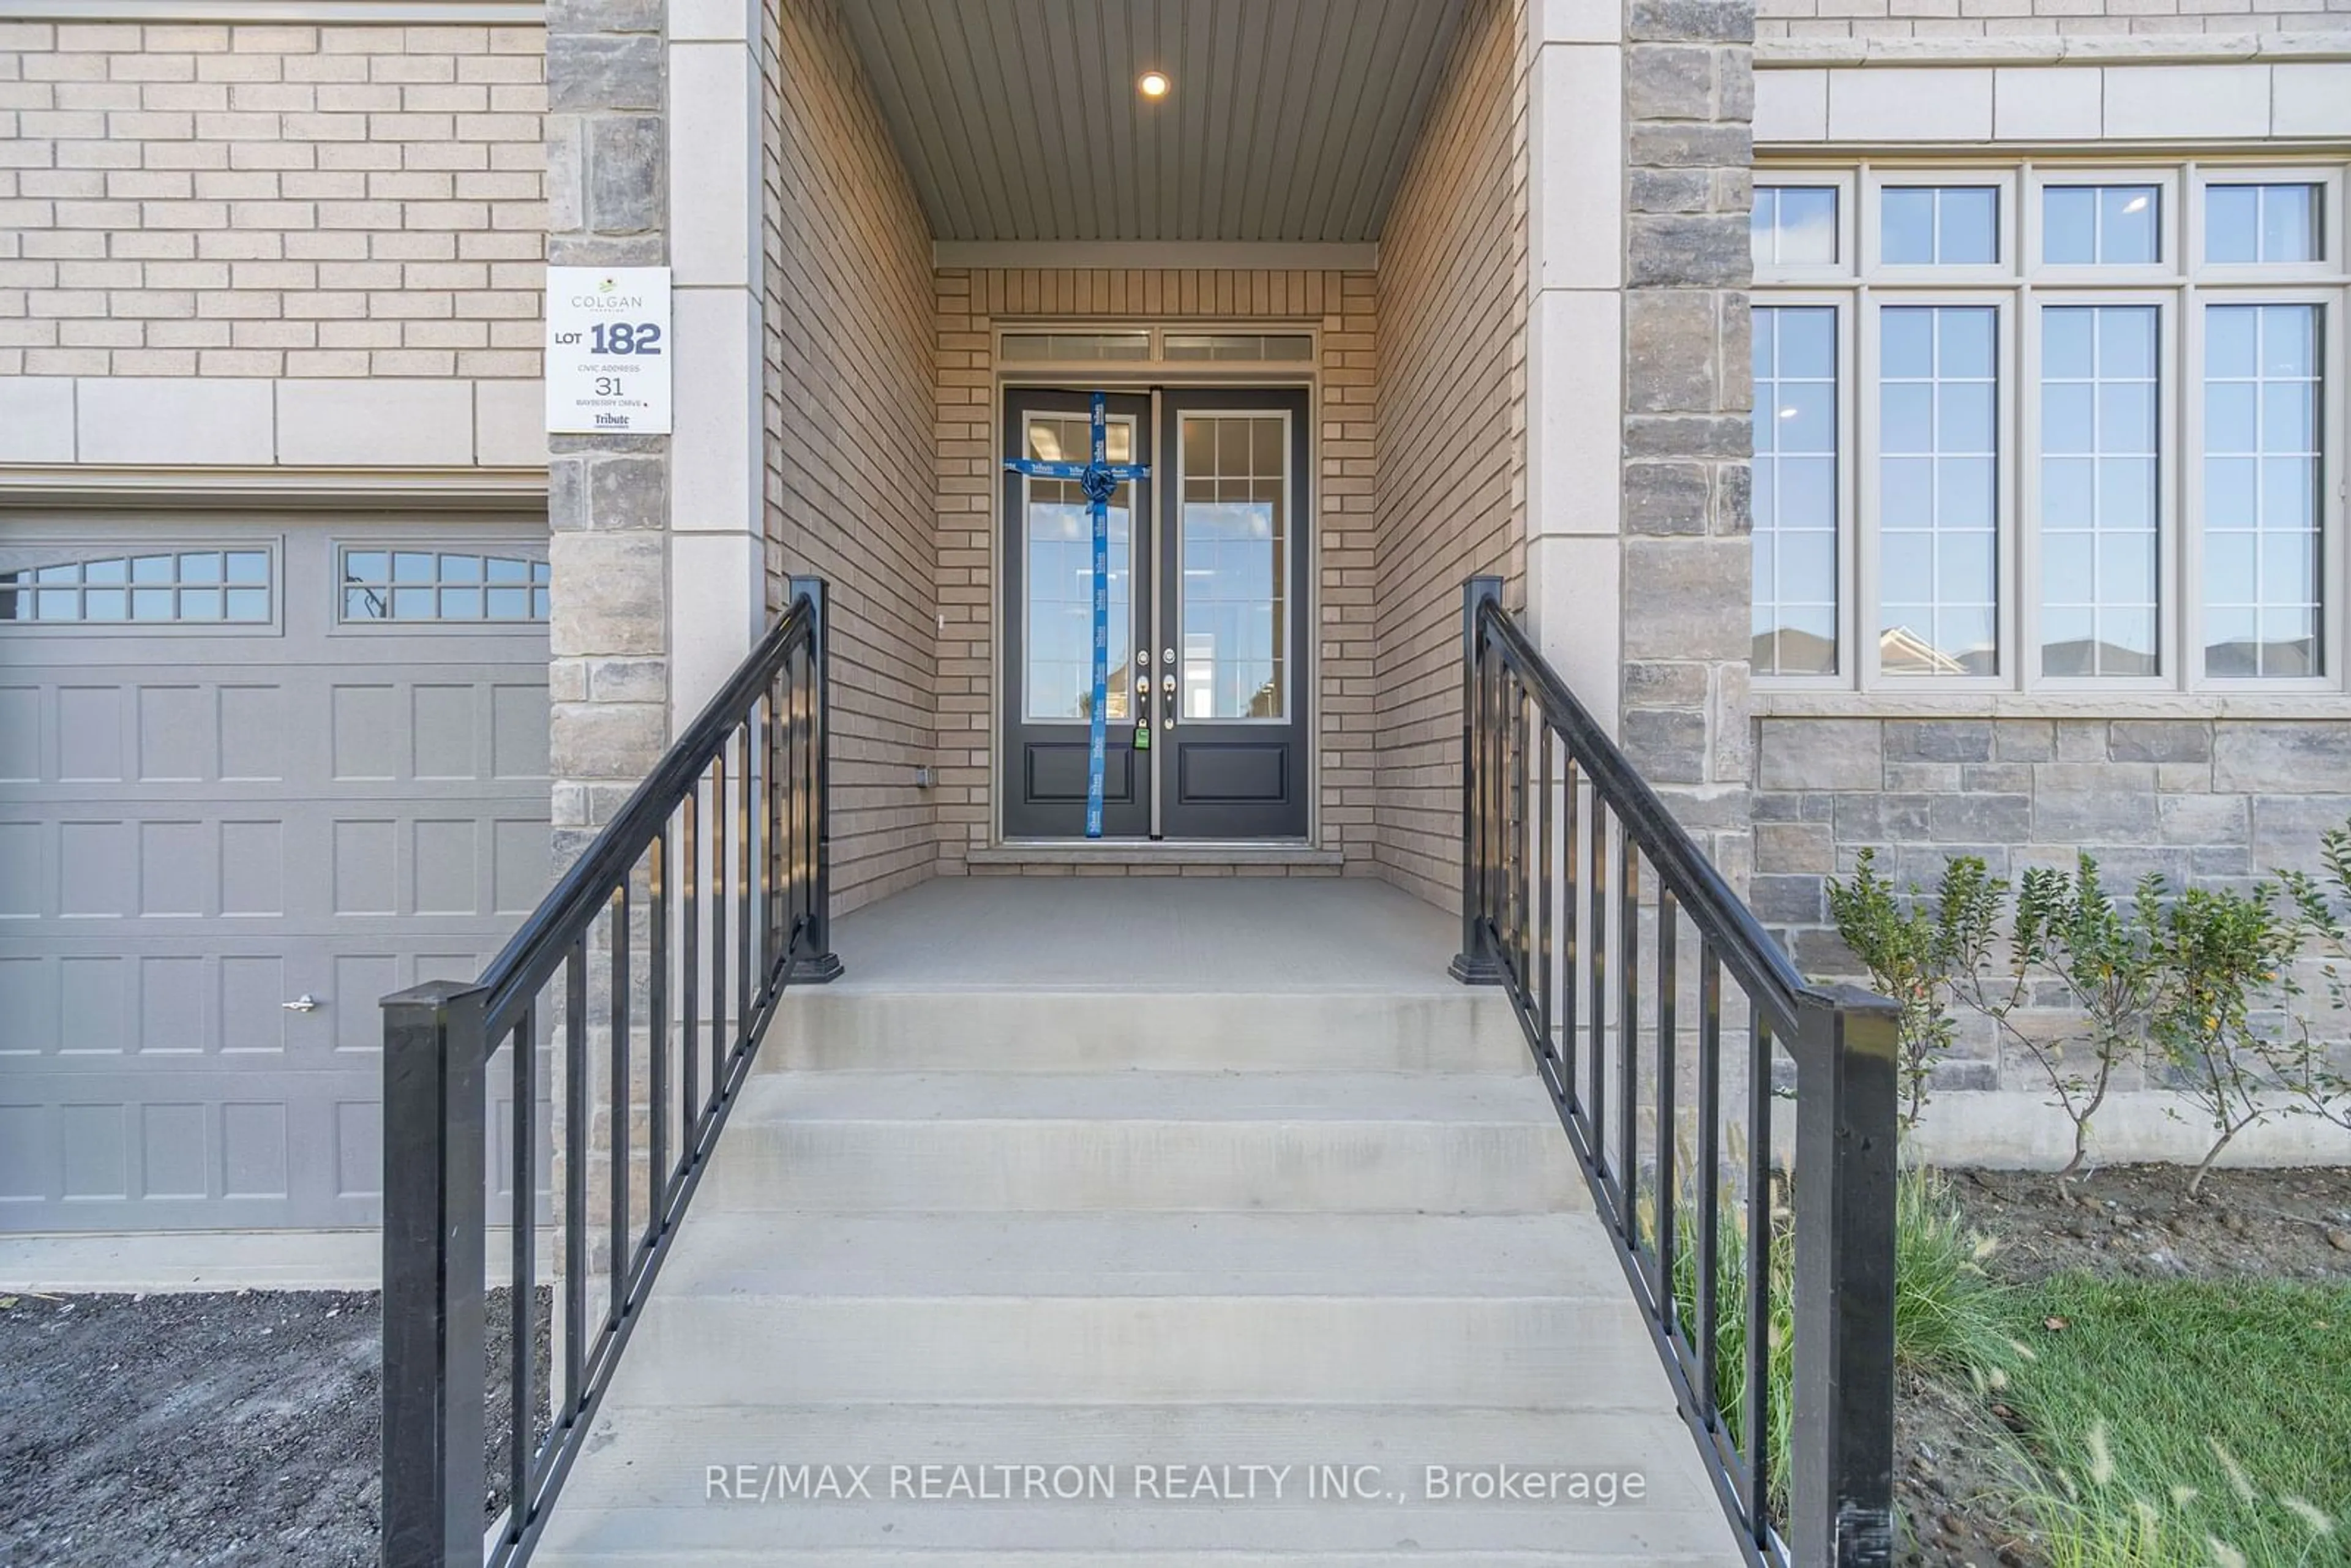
x=1289, y=120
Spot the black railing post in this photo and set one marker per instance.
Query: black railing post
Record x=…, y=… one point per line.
x=1840, y=1469
x=822, y=964
x=435, y=1054
x=1477, y=964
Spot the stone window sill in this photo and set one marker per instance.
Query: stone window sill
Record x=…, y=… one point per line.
x=2198, y=706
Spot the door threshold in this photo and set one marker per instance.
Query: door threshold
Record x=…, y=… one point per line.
x=1142, y=852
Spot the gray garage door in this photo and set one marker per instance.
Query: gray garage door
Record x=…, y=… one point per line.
x=243, y=765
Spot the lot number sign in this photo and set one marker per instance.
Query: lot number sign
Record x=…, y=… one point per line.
x=608, y=350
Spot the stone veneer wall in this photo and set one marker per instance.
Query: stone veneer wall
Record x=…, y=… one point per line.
x=608, y=495
x=1451, y=449
x=1689, y=107
x=970, y=304
x=210, y=200
x=2214, y=801
x=849, y=445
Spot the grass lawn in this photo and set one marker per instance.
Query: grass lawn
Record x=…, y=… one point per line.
x=2201, y=1422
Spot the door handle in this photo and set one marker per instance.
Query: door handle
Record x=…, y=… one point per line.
x=305, y=1003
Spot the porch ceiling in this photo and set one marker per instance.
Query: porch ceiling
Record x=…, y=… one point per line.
x=1289, y=120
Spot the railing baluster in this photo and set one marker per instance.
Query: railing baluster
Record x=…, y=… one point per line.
x=1571, y=975
x=796, y=907
x=1758, y=1276
x=657, y=876
x=522, y=1296
x=744, y=982
x=1597, y=1110
x=1522, y=840
x=1708, y=1172
x=718, y=1035
x=1547, y=845
x=575, y=1175
x=777, y=797
x=618, y=1117
x=1628, y=1031
x=689, y=940
x=1668, y=1069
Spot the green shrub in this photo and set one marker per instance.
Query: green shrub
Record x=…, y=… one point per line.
x=2219, y=953
x=1918, y=956
x=2070, y=938
x=1947, y=1313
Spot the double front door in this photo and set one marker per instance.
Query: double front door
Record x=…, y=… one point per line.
x=1207, y=699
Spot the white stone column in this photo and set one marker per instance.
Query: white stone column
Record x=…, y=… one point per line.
x=717, y=539
x=1575, y=401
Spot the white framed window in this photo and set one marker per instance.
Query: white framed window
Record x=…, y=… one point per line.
x=150, y=586
x=2085, y=426
x=1803, y=346
x=379, y=584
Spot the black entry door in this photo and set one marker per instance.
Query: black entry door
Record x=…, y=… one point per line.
x=1232, y=674
x=1207, y=714
x=1048, y=620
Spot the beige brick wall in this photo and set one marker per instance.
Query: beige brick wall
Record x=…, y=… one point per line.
x=1452, y=438
x=2071, y=18
x=970, y=304
x=270, y=201
x=849, y=453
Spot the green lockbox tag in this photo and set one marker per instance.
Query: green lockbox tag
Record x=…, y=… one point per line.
x=1143, y=737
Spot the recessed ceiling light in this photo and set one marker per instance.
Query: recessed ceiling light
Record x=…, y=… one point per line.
x=1152, y=84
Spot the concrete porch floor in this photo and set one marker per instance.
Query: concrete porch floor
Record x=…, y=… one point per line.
x=1215, y=935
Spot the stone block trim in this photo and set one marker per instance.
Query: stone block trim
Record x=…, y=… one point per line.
x=969, y=305
x=2213, y=802
x=337, y=201
x=850, y=449
x=1690, y=103
x=1451, y=448
x=2060, y=18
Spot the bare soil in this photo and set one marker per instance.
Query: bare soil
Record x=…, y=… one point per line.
x=235, y=1428
x=2139, y=1220
x=1955, y=1459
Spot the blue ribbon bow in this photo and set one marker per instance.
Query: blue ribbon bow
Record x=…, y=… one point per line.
x=1098, y=479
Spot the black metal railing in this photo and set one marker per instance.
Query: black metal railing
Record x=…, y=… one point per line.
x=1578, y=887
x=636, y=995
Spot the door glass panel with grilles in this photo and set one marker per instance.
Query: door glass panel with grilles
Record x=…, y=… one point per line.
x=1206, y=701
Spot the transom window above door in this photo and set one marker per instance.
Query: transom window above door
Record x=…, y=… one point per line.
x=2050, y=426
x=1223, y=347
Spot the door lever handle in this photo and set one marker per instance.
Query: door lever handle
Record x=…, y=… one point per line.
x=305, y=1003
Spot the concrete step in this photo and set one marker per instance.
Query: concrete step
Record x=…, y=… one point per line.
x=1397, y=1142
x=1112, y=1255
x=1537, y=1352
x=679, y=1482
x=842, y=1027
